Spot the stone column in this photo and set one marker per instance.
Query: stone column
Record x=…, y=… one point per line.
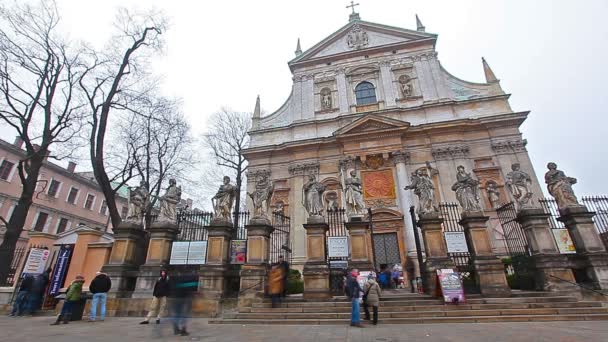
x=316, y=271
x=254, y=272
x=590, y=251
x=436, y=250
x=405, y=202
x=125, y=258
x=489, y=269
x=546, y=258
x=360, y=241
x=162, y=235
x=213, y=274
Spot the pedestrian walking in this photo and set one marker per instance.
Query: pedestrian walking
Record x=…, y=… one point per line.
x=162, y=288
x=71, y=297
x=284, y=265
x=183, y=288
x=275, y=284
x=34, y=299
x=371, y=297
x=353, y=292
x=21, y=301
x=99, y=287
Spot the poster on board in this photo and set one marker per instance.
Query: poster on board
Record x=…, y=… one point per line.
x=450, y=283
x=337, y=246
x=179, y=253
x=238, y=252
x=36, y=261
x=456, y=242
x=564, y=241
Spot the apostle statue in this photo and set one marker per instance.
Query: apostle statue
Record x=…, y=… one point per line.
x=560, y=187
x=518, y=183
x=353, y=193
x=467, y=190
x=223, y=200
x=424, y=188
x=169, y=202
x=261, y=196
x=326, y=100
x=138, y=199
x=493, y=194
x=312, y=193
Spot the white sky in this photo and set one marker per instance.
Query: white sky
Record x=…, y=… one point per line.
x=551, y=55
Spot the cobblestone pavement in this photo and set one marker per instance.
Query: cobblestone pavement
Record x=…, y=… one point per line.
x=37, y=329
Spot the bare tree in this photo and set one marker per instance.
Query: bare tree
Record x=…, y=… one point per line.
x=226, y=139
x=116, y=82
x=38, y=82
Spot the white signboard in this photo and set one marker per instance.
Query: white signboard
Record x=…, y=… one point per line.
x=337, y=246
x=36, y=261
x=197, y=254
x=456, y=242
x=563, y=240
x=179, y=253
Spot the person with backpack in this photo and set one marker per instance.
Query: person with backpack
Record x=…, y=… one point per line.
x=371, y=297
x=21, y=301
x=99, y=287
x=162, y=288
x=72, y=296
x=353, y=292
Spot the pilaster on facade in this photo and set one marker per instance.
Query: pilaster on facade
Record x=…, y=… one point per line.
x=509, y=146
x=450, y=152
x=348, y=163
x=304, y=169
x=400, y=157
x=253, y=174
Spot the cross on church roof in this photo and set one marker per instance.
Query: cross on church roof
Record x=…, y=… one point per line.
x=352, y=5
x=354, y=15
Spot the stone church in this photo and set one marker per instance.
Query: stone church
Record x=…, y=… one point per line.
x=375, y=99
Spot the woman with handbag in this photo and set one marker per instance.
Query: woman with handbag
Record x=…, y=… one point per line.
x=371, y=297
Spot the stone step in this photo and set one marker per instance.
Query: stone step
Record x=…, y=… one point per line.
x=422, y=320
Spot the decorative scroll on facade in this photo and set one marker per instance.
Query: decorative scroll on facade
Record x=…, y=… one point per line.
x=509, y=146
x=304, y=169
x=450, y=152
x=378, y=185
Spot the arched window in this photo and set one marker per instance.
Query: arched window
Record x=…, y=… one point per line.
x=365, y=93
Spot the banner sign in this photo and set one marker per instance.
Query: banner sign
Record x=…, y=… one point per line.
x=340, y=264
x=451, y=286
x=337, y=246
x=36, y=261
x=456, y=242
x=60, y=270
x=238, y=252
x=188, y=253
x=563, y=240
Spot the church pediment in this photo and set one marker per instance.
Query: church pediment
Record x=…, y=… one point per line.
x=360, y=35
x=372, y=125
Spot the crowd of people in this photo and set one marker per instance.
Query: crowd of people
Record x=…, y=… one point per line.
x=30, y=295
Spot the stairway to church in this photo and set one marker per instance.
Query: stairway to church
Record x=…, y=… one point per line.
x=406, y=308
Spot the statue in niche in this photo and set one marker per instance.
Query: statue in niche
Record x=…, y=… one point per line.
x=312, y=193
x=493, y=194
x=331, y=199
x=560, y=187
x=264, y=188
x=326, y=102
x=168, y=203
x=138, y=200
x=518, y=183
x=467, y=190
x=424, y=188
x=354, y=195
x=405, y=83
x=223, y=200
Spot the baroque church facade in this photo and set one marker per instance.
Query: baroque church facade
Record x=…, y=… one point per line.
x=375, y=99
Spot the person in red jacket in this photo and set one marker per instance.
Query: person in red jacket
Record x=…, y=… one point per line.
x=159, y=302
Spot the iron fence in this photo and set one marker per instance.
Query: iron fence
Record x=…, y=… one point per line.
x=241, y=219
x=514, y=235
x=193, y=225
x=18, y=254
x=336, y=219
x=280, y=239
x=599, y=204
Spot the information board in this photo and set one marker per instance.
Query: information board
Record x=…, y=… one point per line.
x=36, y=261
x=238, y=252
x=179, y=253
x=563, y=240
x=456, y=242
x=451, y=286
x=337, y=246
x=197, y=253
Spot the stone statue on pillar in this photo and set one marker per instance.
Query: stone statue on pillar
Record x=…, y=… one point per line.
x=312, y=197
x=353, y=192
x=518, y=183
x=264, y=188
x=224, y=200
x=560, y=187
x=425, y=190
x=138, y=199
x=467, y=190
x=168, y=203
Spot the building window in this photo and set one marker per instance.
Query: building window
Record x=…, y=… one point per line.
x=54, y=188
x=63, y=225
x=123, y=213
x=41, y=221
x=365, y=93
x=88, y=204
x=5, y=169
x=73, y=195
x=104, y=208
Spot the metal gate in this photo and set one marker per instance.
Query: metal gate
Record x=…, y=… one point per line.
x=386, y=250
x=462, y=260
x=280, y=239
x=337, y=265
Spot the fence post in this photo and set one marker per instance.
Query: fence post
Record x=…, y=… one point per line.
x=590, y=251
x=253, y=273
x=547, y=262
x=316, y=271
x=122, y=268
x=436, y=250
x=489, y=269
x=213, y=273
x=360, y=242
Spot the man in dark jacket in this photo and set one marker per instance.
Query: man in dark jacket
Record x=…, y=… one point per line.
x=21, y=301
x=354, y=292
x=37, y=292
x=159, y=302
x=99, y=287
x=183, y=288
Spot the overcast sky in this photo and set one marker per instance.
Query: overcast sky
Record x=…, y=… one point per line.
x=551, y=55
